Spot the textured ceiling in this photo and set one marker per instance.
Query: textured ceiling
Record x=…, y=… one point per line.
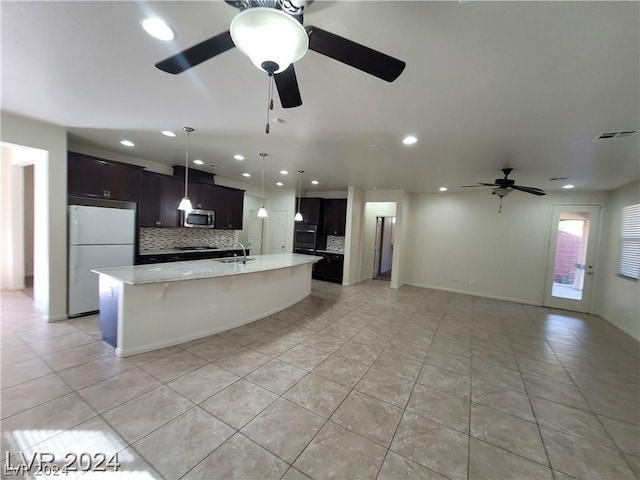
x=487, y=85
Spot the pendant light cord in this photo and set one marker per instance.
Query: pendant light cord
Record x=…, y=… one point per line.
x=300, y=172
x=262, y=182
x=186, y=163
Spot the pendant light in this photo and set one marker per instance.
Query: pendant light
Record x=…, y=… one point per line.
x=185, y=203
x=262, y=213
x=298, y=217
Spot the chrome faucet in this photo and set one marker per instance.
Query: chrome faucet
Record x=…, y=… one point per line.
x=244, y=252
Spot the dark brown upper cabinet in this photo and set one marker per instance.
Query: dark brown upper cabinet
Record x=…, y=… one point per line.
x=93, y=177
x=312, y=210
x=160, y=196
x=229, y=207
x=335, y=216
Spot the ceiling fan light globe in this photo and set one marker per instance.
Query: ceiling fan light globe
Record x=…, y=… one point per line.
x=269, y=35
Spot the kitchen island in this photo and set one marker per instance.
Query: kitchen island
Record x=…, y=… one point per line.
x=147, y=307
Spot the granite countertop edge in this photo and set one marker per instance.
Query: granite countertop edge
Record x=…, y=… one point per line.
x=202, y=269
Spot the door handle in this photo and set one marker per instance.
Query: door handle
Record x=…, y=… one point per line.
x=591, y=273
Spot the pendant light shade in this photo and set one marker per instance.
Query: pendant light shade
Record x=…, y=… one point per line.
x=185, y=203
x=262, y=212
x=268, y=35
x=298, y=217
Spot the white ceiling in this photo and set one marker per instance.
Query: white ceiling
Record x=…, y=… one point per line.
x=487, y=85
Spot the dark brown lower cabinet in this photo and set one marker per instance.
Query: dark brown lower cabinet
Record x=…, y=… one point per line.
x=329, y=268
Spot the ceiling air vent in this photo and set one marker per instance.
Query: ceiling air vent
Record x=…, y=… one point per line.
x=213, y=165
x=611, y=135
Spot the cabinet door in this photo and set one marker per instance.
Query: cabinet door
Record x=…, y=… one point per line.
x=335, y=216
x=236, y=208
x=84, y=176
x=229, y=208
x=93, y=177
x=202, y=196
x=172, y=191
x=222, y=208
x=150, y=197
x=121, y=182
x=311, y=209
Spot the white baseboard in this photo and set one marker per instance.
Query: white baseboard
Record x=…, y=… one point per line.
x=476, y=294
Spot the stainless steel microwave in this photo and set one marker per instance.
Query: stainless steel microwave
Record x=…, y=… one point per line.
x=199, y=219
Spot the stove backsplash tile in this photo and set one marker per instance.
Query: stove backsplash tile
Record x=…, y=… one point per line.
x=335, y=243
x=163, y=238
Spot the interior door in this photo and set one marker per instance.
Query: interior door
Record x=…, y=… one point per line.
x=255, y=233
x=573, y=249
x=278, y=231
x=377, y=246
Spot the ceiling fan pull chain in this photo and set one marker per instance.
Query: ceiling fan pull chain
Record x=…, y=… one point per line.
x=500, y=209
x=269, y=102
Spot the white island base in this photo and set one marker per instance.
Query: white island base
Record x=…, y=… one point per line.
x=138, y=317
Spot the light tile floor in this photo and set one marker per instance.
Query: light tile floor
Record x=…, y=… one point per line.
x=352, y=382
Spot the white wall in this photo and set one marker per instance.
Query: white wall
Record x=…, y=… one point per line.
x=353, y=236
x=460, y=242
x=50, y=256
x=618, y=300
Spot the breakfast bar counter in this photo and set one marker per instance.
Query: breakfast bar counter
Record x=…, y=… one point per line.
x=147, y=307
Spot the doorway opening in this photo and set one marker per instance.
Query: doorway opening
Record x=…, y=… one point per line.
x=383, y=251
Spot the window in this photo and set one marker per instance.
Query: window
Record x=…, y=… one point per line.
x=629, y=265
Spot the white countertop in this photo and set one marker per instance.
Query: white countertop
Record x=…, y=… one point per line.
x=199, y=269
x=172, y=251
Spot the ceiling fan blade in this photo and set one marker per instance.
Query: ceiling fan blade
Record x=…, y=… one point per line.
x=358, y=56
x=197, y=54
x=287, y=85
x=481, y=185
x=533, y=190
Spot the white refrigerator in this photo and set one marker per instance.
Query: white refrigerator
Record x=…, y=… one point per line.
x=99, y=237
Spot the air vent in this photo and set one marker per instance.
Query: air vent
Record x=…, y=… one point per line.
x=556, y=179
x=611, y=135
x=213, y=165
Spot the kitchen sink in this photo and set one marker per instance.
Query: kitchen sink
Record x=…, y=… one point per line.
x=232, y=259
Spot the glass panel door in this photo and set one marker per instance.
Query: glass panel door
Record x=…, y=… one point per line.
x=572, y=255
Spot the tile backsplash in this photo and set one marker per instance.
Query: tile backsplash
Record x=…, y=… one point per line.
x=335, y=243
x=162, y=238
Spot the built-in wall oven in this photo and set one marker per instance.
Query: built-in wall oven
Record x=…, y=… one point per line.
x=304, y=239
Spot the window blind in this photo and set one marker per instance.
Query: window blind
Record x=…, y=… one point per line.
x=629, y=265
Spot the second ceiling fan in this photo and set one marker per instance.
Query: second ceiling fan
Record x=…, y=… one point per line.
x=267, y=25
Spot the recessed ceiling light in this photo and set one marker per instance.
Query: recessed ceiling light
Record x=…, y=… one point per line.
x=443, y=189
x=315, y=182
x=238, y=157
x=409, y=140
x=157, y=29
x=284, y=172
x=168, y=133
x=127, y=143
x=568, y=186
x=198, y=162
x=279, y=184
